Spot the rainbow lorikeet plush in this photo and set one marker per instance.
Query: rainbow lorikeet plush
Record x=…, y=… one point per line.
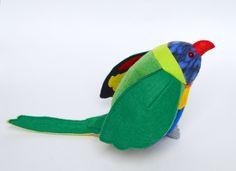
x=149, y=91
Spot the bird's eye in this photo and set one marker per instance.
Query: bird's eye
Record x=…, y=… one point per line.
x=191, y=54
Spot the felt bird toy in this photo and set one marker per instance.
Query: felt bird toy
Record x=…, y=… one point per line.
x=149, y=91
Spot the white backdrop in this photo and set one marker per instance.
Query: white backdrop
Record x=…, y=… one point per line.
x=54, y=55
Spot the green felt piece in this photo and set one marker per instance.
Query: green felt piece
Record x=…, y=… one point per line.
x=168, y=62
x=143, y=67
x=55, y=125
x=144, y=113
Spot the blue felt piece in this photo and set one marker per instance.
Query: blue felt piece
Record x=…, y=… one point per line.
x=178, y=116
x=190, y=65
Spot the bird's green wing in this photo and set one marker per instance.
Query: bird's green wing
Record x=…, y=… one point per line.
x=144, y=113
x=117, y=73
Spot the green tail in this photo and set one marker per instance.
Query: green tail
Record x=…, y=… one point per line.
x=54, y=125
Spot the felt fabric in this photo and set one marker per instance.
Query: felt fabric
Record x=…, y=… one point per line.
x=168, y=63
x=175, y=134
x=187, y=58
x=144, y=112
x=150, y=92
x=115, y=81
x=177, y=118
x=109, y=86
x=203, y=46
x=55, y=125
x=145, y=66
x=182, y=104
x=184, y=97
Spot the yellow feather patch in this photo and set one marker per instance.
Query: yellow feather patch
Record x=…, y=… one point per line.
x=184, y=97
x=115, y=80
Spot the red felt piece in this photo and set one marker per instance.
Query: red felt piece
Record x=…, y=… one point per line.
x=126, y=65
x=203, y=46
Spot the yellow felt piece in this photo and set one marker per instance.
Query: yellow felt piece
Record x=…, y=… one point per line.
x=168, y=62
x=184, y=97
x=115, y=80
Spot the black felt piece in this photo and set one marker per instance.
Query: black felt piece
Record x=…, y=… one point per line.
x=106, y=91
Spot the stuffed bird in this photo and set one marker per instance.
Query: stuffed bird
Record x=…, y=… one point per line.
x=149, y=92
